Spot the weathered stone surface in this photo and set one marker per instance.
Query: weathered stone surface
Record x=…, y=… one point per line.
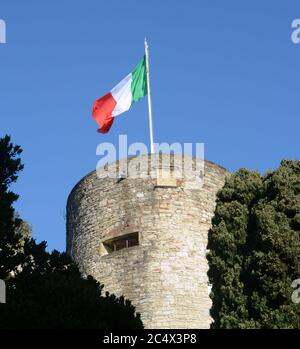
x=165, y=276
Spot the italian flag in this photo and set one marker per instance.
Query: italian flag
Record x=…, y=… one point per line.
x=131, y=89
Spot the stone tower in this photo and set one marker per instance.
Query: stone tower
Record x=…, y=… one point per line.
x=145, y=237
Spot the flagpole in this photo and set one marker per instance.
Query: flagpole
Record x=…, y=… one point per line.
x=149, y=97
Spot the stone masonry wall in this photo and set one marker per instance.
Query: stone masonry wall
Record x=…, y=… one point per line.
x=165, y=276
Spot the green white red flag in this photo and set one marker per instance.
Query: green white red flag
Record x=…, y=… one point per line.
x=131, y=89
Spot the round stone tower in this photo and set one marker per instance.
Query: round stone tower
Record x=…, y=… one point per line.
x=140, y=227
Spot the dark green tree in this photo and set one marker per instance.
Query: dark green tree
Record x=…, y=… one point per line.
x=49, y=292
x=10, y=166
x=254, y=248
x=46, y=290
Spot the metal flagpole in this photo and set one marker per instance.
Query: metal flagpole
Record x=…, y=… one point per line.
x=149, y=97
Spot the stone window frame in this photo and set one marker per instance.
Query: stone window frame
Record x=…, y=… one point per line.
x=125, y=241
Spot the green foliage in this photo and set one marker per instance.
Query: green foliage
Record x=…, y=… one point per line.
x=50, y=293
x=254, y=248
x=24, y=230
x=10, y=165
x=46, y=290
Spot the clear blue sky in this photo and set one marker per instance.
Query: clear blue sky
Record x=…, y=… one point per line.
x=223, y=72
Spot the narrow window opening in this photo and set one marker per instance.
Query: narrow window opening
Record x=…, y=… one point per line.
x=119, y=243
